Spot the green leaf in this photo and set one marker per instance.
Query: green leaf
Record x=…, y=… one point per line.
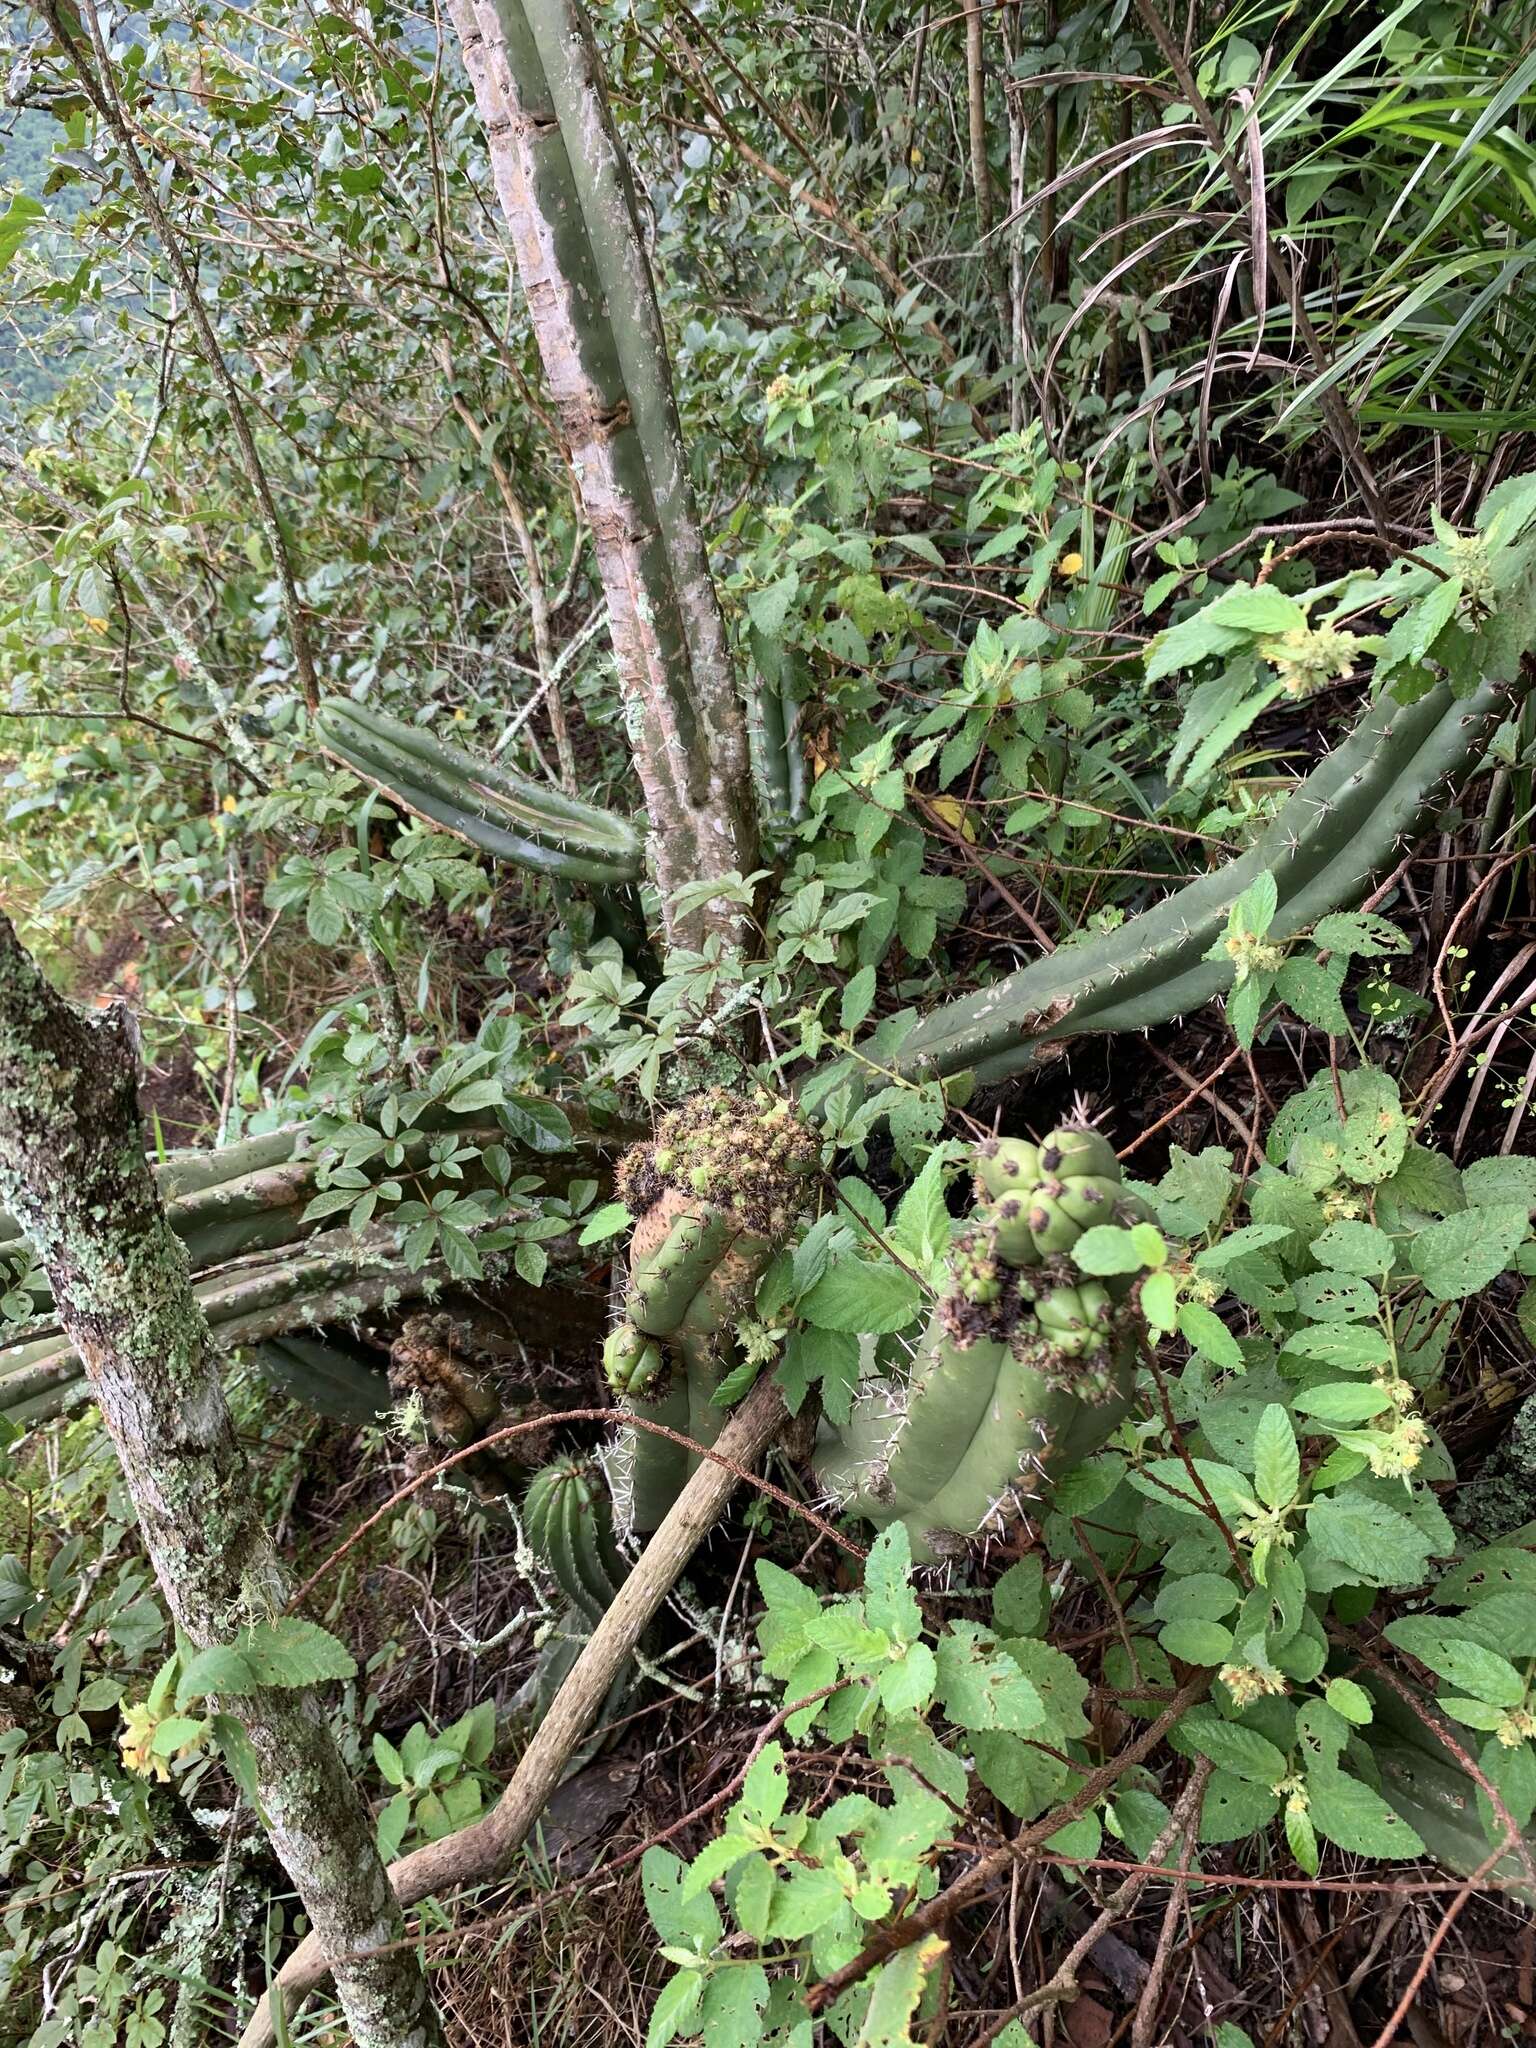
x=857, y=999
x=1202, y=1596
x=1466, y=1665
x=1276, y=1460
x=540, y=1125
x=897, y=1989
x=1240, y=1751
x=1344, y=1404
x=1355, y=1818
x=1196, y=1642
x=1350, y=1700
x=1204, y=1331
x=889, y=1602
x=981, y=1686
x=1020, y=1604
x=1108, y=1248
x=1379, y=1545
x=1302, y=1837
x=734, y=1999
x=22, y=213
x=1359, y=932
x=1358, y=1248
x=863, y=1296
x=603, y=1223
x=676, y=2004
x=1463, y=1253
x=1312, y=991
x=1348, y=1345
x=288, y=1654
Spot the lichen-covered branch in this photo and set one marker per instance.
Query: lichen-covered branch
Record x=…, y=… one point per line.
x=73, y=1170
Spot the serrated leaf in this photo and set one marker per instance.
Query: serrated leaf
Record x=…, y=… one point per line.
x=1462, y=1663
x=1463, y=1253
x=1355, y=1818
x=897, y=1989
x=288, y=1654
x=1204, y=1331
x=1240, y=1751
x=1343, y=1405
x=1276, y=1460
x=1381, y=1546
x=862, y=1295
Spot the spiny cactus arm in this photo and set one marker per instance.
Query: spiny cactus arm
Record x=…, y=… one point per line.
x=1392, y=798
x=663, y=1286
x=335, y=1280
x=946, y=1404
x=480, y=801
x=1342, y=827
x=657, y=1468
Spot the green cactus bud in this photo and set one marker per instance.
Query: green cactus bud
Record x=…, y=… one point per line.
x=632, y=1361
x=1074, y=1152
x=1008, y=1221
x=1090, y=1198
x=1052, y=1229
x=1006, y=1164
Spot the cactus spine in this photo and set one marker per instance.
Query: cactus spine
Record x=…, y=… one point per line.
x=1024, y=1369
x=480, y=801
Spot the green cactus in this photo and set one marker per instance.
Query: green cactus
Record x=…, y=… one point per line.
x=721, y=1185
x=1343, y=826
x=1025, y=1367
x=568, y=1521
x=632, y=1361
x=477, y=799
x=332, y=1278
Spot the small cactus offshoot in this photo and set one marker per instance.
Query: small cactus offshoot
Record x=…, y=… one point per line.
x=1025, y=1367
x=719, y=1188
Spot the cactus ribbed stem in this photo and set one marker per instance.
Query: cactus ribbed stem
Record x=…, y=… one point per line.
x=1345, y=824
x=480, y=800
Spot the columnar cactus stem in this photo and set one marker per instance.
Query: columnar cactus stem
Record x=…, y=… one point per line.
x=1344, y=825
x=1025, y=1367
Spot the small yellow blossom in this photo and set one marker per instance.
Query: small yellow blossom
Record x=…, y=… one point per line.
x=230, y=805
x=1247, y=1683
x=1071, y=565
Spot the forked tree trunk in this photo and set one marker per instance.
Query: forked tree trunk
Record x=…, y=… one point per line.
x=564, y=188
x=73, y=1171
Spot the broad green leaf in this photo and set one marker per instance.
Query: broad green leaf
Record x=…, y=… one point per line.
x=862, y=1295
x=1241, y=1751
x=1463, y=1253
x=1356, y=1818
x=1276, y=1460
x=1381, y=1546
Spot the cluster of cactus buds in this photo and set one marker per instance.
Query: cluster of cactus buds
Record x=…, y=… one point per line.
x=721, y=1185
x=568, y=1521
x=1025, y=1367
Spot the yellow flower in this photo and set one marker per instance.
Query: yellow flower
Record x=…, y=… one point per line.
x=134, y=1742
x=1070, y=565
x=229, y=805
